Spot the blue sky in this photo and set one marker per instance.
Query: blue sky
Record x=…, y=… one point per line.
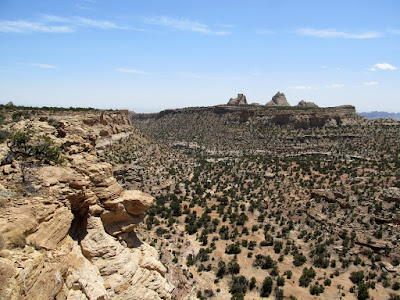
x=156, y=54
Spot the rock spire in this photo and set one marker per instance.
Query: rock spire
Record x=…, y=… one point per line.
x=239, y=100
x=278, y=100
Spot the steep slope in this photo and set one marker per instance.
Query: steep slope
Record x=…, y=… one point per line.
x=253, y=129
x=308, y=208
x=68, y=231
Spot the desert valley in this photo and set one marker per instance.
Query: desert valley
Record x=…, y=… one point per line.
x=233, y=201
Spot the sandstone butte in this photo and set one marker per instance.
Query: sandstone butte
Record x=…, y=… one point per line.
x=72, y=235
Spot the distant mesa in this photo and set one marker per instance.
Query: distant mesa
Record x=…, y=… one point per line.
x=239, y=100
x=278, y=100
x=305, y=104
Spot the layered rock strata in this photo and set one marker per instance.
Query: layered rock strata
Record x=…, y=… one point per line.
x=67, y=231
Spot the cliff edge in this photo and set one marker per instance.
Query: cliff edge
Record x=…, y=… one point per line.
x=67, y=230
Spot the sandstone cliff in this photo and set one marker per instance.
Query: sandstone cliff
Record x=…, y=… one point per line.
x=297, y=117
x=250, y=128
x=67, y=231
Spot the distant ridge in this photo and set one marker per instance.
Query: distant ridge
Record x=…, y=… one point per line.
x=379, y=114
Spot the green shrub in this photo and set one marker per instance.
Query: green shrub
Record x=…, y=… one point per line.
x=327, y=282
x=221, y=269
x=265, y=262
x=316, y=289
x=233, y=249
x=299, y=259
x=279, y=294
x=46, y=151
x=266, y=287
x=239, y=285
x=288, y=274
x=394, y=296
x=357, y=277
x=41, y=148
x=307, y=276
x=233, y=267
x=280, y=281
x=4, y=134
x=252, y=284
x=363, y=293
x=237, y=296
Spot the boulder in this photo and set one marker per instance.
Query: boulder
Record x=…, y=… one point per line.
x=137, y=202
x=124, y=213
x=52, y=230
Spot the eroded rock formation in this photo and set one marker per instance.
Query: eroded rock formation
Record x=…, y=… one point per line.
x=278, y=100
x=239, y=100
x=305, y=104
x=68, y=230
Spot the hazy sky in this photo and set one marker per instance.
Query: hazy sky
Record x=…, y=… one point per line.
x=150, y=55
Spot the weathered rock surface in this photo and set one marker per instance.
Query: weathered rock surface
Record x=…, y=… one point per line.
x=71, y=235
x=52, y=230
x=305, y=104
x=239, y=100
x=278, y=100
x=121, y=266
x=252, y=128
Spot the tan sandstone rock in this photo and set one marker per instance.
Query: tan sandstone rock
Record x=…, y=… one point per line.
x=52, y=230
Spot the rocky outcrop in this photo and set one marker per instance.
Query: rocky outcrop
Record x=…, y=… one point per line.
x=239, y=100
x=372, y=243
x=278, y=100
x=261, y=115
x=391, y=194
x=305, y=104
x=332, y=197
x=251, y=127
x=71, y=233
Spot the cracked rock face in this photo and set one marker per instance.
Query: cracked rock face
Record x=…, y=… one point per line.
x=73, y=236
